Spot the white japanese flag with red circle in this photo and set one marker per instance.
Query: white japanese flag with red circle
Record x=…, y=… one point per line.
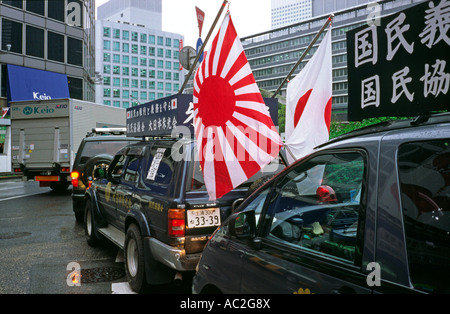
x=235, y=134
x=308, y=103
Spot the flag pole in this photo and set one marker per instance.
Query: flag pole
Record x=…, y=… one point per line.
x=203, y=46
x=329, y=19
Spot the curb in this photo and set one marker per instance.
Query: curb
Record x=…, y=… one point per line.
x=10, y=177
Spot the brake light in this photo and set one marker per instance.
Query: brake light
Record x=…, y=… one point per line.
x=176, y=222
x=75, y=175
x=65, y=169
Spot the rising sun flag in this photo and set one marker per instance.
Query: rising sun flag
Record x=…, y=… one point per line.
x=235, y=134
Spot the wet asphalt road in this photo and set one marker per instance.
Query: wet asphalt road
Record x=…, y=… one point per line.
x=39, y=237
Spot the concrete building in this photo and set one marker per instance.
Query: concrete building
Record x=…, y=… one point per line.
x=137, y=60
x=52, y=36
x=273, y=54
x=287, y=12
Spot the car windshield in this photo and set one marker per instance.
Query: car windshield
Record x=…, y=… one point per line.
x=95, y=148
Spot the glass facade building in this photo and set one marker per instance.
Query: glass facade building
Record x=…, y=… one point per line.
x=136, y=64
x=273, y=54
x=136, y=60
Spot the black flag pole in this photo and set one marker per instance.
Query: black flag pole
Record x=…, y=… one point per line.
x=203, y=46
x=329, y=19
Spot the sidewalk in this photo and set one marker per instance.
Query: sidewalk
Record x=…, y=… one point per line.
x=8, y=176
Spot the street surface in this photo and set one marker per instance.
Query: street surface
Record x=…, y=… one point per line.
x=39, y=237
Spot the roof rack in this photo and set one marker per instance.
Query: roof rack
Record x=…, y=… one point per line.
x=390, y=125
x=106, y=131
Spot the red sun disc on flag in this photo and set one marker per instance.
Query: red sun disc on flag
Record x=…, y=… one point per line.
x=235, y=135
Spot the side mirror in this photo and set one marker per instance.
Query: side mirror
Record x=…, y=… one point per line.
x=243, y=225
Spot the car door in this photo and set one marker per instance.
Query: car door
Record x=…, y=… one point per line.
x=106, y=192
x=311, y=230
x=126, y=190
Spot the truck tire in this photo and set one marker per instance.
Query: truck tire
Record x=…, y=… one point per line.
x=134, y=259
x=90, y=225
x=91, y=164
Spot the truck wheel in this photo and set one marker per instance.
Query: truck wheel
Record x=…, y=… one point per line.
x=134, y=259
x=90, y=225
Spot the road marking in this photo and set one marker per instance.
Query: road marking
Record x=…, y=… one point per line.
x=19, y=196
x=121, y=288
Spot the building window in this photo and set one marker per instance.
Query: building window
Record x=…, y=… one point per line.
x=106, y=45
x=106, y=32
x=36, y=6
x=12, y=35
x=56, y=10
x=125, y=35
x=74, y=51
x=106, y=56
x=35, y=42
x=134, y=36
x=116, y=33
x=75, y=87
x=14, y=3
x=55, y=46
x=151, y=39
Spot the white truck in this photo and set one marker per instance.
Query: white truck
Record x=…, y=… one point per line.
x=46, y=134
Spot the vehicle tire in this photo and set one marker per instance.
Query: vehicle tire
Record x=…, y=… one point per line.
x=134, y=259
x=91, y=164
x=90, y=225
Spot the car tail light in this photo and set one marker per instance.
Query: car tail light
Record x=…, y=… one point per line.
x=176, y=222
x=65, y=169
x=75, y=175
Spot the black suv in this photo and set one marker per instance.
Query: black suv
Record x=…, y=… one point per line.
x=365, y=213
x=152, y=203
x=96, y=149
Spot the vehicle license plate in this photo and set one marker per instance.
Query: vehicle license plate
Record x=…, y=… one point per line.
x=207, y=217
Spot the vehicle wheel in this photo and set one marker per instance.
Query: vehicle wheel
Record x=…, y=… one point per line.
x=90, y=225
x=134, y=259
x=88, y=171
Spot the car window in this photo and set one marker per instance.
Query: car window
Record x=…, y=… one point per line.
x=131, y=171
x=315, y=206
x=159, y=170
x=424, y=173
x=116, y=166
x=94, y=148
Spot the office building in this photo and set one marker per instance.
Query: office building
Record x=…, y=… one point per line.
x=137, y=60
x=287, y=12
x=273, y=54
